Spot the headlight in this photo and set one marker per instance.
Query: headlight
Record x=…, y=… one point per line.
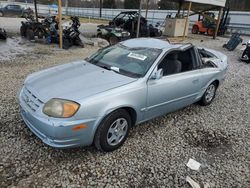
x=60, y=108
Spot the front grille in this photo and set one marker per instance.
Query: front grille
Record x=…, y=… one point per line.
x=30, y=99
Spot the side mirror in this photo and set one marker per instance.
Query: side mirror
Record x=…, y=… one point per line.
x=157, y=75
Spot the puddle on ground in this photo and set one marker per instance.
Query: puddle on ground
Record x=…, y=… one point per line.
x=13, y=47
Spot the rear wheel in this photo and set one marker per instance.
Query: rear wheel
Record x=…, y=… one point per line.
x=23, y=31
x=30, y=34
x=209, y=94
x=25, y=15
x=195, y=29
x=210, y=31
x=113, y=40
x=1, y=14
x=113, y=131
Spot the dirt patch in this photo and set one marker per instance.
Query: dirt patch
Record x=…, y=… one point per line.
x=208, y=139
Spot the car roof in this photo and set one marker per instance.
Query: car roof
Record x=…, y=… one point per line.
x=149, y=43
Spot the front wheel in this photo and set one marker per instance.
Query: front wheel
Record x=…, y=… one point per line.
x=195, y=29
x=209, y=95
x=23, y=31
x=1, y=14
x=113, y=131
x=67, y=43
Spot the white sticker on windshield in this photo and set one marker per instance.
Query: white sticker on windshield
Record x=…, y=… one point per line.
x=137, y=56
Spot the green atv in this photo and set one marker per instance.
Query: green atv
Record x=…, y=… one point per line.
x=112, y=34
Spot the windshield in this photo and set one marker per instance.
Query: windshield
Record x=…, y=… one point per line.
x=133, y=62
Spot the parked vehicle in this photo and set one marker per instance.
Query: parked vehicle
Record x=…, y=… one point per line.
x=32, y=28
x=112, y=34
x=3, y=34
x=124, y=26
x=246, y=53
x=128, y=21
x=207, y=23
x=71, y=35
x=15, y=10
x=98, y=100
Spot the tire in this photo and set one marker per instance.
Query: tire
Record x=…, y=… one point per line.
x=30, y=34
x=67, y=43
x=195, y=29
x=1, y=14
x=113, y=131
x=99, y=35
x=23, y=31
x=210, y=31
x=78, y=42
x=113, y=40
x=25, y=15
x=209, y=94
x=40, y=33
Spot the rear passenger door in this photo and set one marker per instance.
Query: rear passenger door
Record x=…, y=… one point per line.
x=174, y=91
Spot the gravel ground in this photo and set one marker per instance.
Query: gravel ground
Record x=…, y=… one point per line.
x=156, y=152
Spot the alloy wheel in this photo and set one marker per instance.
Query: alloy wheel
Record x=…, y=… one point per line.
x=117, y=131
x=210, y=93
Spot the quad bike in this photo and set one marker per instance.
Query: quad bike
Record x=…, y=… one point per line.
x=124, y=26
x=71, y=34
x=112, y=34
x=3, y=34
x=31, y=28
x=128, y=21
x=246, y=53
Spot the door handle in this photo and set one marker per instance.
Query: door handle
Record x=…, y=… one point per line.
x=195, y=81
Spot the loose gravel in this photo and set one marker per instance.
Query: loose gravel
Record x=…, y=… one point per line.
x=156, y=152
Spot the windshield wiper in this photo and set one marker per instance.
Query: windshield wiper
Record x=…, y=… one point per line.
x=105, y=67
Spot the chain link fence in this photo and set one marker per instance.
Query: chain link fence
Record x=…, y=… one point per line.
x=239, y=21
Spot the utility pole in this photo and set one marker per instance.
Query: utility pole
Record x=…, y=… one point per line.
x=139, y=21
x=146, y=15
x=100, y=8
x=66, y=6
x=60, y=23
x=35, y=4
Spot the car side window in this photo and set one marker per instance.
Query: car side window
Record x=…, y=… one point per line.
x=178, y=61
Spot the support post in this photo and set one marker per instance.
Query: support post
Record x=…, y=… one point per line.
x=66, y=6
x=146, y=14
x=186, y=22
x=60, y=23
x=100, y=8
x=218, y=23
x=139, y=21
x=36, y=14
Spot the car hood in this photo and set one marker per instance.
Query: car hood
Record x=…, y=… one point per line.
x=74, y=81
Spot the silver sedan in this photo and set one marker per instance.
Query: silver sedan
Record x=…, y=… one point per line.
x=97, y=100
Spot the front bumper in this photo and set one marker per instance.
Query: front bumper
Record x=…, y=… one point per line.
x=58, y=132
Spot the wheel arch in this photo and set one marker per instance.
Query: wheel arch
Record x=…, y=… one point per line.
x=217, y=82
x=131, y=111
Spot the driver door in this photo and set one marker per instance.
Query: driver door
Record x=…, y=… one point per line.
x=172, y=91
